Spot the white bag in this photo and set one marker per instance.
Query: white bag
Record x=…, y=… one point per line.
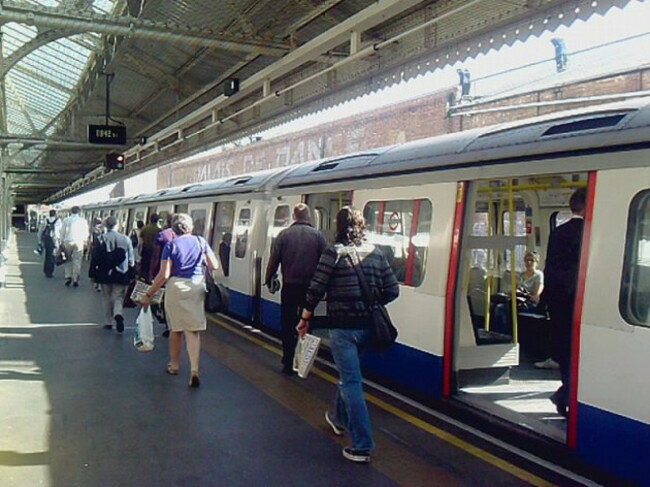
x=143, y=338
x=305, y=354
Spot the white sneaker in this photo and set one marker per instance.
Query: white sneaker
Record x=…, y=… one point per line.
x=549, y=363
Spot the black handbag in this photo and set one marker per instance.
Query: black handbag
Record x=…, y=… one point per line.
x=383, y=333
x=217, y=298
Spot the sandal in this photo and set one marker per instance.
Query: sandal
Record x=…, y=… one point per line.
x=171, y=370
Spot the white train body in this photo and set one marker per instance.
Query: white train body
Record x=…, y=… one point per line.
x=441, y=208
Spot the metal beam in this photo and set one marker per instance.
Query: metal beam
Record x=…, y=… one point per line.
x=29, y=170
x=60, y=143
x=54, y=18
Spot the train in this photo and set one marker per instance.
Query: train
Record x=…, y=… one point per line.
x=454, y=214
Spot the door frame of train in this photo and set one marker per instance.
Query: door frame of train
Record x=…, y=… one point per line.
x=450, y=299
x=572, y=427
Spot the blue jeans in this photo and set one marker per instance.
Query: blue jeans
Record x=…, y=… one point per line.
x=350, y=409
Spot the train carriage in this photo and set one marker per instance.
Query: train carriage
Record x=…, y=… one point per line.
x=455, y=215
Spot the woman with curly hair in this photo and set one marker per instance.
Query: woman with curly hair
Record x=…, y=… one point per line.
x=349, y=322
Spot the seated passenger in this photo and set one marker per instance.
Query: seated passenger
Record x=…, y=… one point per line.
x=530, y=285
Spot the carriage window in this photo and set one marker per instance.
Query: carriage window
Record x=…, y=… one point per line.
x=198, y=218
x=401, y=230
x=224, y=220
x=139, y=216
x=162, y=218
x=180, y=208
x=634, y=300
x=281, y=220
x=243, y=226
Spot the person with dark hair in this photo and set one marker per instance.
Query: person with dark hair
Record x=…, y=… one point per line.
x=561, y=282
x=49, y=235
x=163, y=238
x=224, y=252
x=350, y=322
x=181, y=268
x=147, y=237
x=74, y=236
x=112, y=265
x=296, y=251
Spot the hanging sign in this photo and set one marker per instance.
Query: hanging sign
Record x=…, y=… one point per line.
x=107, y=134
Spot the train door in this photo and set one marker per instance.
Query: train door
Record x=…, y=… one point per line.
x=136, y=215
x=281, y=217
x=244, y=279
x=200, y=213
x=324, y=207
x=501, y=335
x=163, y=212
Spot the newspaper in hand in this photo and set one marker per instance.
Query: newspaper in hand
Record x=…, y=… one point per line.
x=140, y=291
x=306, y=352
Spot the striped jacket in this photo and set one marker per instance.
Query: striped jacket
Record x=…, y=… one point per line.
x=336, y=276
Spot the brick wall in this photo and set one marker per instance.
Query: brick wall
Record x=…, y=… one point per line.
x=411, y=120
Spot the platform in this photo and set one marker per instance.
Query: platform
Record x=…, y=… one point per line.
x=81, y=407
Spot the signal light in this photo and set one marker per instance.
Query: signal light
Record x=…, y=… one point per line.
x=114, y=161
x=231, y=86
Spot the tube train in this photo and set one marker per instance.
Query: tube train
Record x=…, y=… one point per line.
x=452, y=214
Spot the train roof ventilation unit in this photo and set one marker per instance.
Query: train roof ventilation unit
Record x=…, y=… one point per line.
x=187, y=188
x=585, y=124
x=240, y=181
x=326, y=166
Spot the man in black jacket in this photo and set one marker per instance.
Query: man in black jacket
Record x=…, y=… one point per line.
x=561, y=282
x=296, y=250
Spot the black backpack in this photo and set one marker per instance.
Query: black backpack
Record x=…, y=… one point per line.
x=104, y=264
x=48, y=232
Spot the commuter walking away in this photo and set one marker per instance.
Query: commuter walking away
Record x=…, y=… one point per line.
x=49, y=235
x=74, y=236
x=96, y=230
x=561, y=282
x=182, y=269
x=349, y=323
x=147, y=236
x=136, y=241
x=112, y=267
x=296, y=251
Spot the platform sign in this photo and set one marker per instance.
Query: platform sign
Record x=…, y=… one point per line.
x=107, y=134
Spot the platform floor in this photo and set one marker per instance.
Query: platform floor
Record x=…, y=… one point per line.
x=79, y=406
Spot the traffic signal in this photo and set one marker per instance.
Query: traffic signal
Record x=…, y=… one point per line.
x=114, y=161
x=231, y=86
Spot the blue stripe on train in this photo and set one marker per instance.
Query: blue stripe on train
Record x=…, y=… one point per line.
x=271, y=316
x=241, y=304
x=411, y=369
x=415, y=370
x=614, y=443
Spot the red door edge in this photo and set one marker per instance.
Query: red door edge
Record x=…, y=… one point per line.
x=572, y=431
x=451, y=287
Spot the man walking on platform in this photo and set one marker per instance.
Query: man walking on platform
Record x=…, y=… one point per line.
x=297, y=250
x=74, y=235
x=50, y=237
x=113, y=268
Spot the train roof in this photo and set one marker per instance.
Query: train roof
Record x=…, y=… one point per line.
x=585, y=129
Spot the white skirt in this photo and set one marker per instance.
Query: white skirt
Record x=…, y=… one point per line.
x=184, y=300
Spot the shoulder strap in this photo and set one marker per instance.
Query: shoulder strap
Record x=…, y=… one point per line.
x=365, y=288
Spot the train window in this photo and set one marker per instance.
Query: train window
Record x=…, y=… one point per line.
x=241, y=237
x=180, y=208
x=281, y=220
x=162, y=218
x=198, y=217
x=634, y=298
x=401, y=229
x=224, y=220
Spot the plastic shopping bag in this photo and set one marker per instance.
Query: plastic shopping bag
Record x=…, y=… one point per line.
x=143, y=338
x=305, y=354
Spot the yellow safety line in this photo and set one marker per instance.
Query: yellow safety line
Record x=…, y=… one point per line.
x=443, y=435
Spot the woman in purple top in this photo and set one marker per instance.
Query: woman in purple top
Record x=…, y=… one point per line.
x=181, y=268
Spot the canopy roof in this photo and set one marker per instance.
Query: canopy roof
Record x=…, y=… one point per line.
x=166, y=63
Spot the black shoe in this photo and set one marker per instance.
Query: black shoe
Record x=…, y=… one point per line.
x=75, y=284
x=108, y=327
x=358, y=456
x=166, y=333
x=288, y=371
x=194, y=381
x=68, y=282
x=50, y=276
x=119, y=323
x=562, y=409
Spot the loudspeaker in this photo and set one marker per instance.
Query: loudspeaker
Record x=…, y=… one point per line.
x=231, y=86
x=114, y=161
